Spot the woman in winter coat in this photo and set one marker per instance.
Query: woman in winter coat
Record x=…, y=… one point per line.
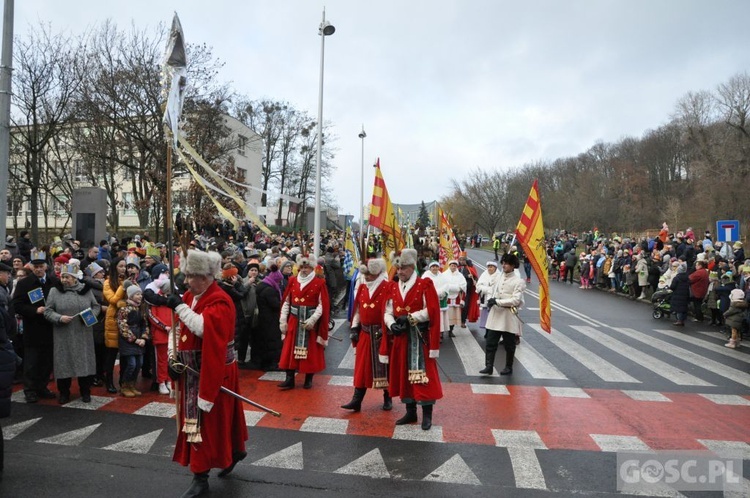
x=74, y=354
x=680, y=287
x=94, y=278
x=114, y=293
x=265, y=342
x=433, y=273
x=484, y=286
x=641, y=268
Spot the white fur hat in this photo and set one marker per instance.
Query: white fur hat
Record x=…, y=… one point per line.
x=376, y=266
x=203, y=263
x=304, y=260
x=407, y=257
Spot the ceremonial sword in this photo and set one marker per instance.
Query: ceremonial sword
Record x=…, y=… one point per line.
x=240, y=397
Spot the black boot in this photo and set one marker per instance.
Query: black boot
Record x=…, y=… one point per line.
x=111, y=386
x=308, y=381
x=450, y=332
x=237, y=457
x=508, y=370
x=489, y=363
x=289, y=382
x=387, y=401
x=411, y=415
x=426, y=417
x=356, y=402
x=199, y=486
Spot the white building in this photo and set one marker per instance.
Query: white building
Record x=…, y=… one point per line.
x=54, y=207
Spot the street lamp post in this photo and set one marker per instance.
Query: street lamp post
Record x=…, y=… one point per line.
x=325, y=29
x=362, y=250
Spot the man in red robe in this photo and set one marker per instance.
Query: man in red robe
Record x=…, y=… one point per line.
x=367, y=334
x=304, y=324
x=212, y=424
x=412, y=317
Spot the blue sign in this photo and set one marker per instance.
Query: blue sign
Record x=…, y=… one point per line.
x=727, y=230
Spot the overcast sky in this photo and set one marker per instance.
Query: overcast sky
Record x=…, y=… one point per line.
x=446, y=86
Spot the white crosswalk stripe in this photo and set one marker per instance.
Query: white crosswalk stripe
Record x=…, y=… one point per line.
x=655, y=365
x=682, y=353
x=470, y=352
x=536, y=364
x=716, y=348
x=598, y=366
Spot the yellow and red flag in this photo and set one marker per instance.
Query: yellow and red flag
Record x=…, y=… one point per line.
x=449, y=248
x=383, y=216
x=530, y=234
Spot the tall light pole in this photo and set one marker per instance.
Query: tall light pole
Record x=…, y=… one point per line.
x=325, y=29
x=363, y=252
x=6, y=71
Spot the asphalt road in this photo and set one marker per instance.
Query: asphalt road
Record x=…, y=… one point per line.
x=609, y=379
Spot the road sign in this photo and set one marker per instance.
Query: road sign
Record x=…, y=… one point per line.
x=727, y=230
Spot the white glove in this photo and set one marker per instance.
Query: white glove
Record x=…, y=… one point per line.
x=434, y=353
x=309, y=324
x=283, y=327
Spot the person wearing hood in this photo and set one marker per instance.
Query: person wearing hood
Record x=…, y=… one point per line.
x=367, y=334
x=74, y=352
x=433, y=273
x=94, y=278
x=456, y=284
x=265, y=339
x=485, y=284
x=680, y=287
x=11, y=246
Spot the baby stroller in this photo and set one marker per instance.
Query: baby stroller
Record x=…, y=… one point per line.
x=662, y=301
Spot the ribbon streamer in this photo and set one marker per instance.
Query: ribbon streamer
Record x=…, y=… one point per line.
x=217, y=178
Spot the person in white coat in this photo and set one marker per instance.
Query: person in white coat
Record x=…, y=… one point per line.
x=485, y=283
x=503, y=301
x=433, y=273
x=456, y=285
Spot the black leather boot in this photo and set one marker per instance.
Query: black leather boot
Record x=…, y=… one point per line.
x=426, y=417
x=489, y=363
x=199, y=486
x=508, y=370
x=308, y=381
x=289, y=382
x=356, y=402
x=237, y=457
x=450, y=331
x=411, y=415
x=387, y=401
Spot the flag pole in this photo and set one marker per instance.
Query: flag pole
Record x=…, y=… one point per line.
x=172, y=286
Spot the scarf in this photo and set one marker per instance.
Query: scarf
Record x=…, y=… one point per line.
x=274, y=279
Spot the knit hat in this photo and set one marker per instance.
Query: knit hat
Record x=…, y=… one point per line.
x=737, y=295
x=157, y=270
x=92, y=269
x=133, y=290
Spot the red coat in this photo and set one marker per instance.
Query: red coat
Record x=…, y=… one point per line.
x=160, y=319
x=370, y=311
x=421, y=295
x=222, y=429
x=313, y=294
x=699, y=283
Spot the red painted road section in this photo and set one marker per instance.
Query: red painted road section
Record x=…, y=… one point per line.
x=467, y=418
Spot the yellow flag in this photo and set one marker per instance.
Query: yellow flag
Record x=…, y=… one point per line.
x=530, y=234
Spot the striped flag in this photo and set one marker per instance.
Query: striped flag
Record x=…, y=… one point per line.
x=530, y=234
x=351, y=258
x=383, y=216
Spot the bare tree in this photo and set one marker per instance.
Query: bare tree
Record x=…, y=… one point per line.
x=46, y=80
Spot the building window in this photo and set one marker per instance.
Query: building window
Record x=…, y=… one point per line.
x=79, y=175
x=59, y=207
x=241, y=144
x=128, y=204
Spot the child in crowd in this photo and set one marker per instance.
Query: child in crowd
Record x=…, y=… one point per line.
x=133, y=332
x=712, y=298
x=734, y=316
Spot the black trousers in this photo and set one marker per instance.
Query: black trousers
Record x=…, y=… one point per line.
x=697, y=311
x=37, y=367
x=493, y=342
x=84, y=385
x=110, y=355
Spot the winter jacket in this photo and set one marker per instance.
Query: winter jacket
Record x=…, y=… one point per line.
x=132, y=325
x=113, y=297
